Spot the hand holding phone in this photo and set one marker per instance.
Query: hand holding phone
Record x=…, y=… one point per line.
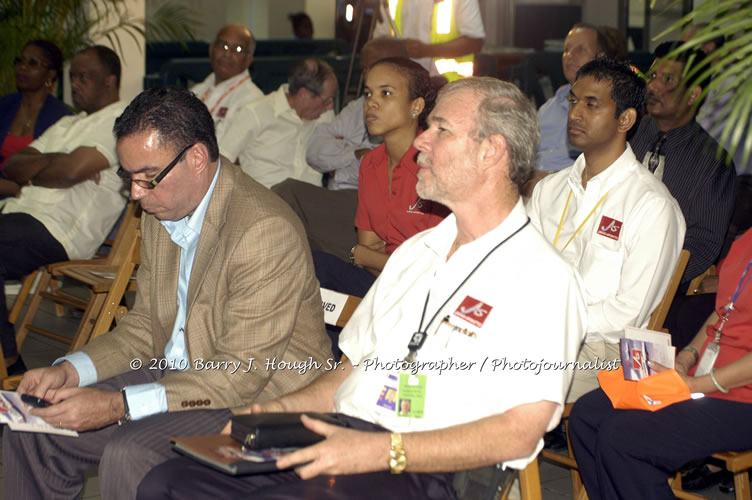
x=34, y=401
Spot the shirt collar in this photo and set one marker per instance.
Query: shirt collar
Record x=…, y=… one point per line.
x=282, y=105
x=227, y=83
x=441, y=239
x=183, y=231
x=607, y=179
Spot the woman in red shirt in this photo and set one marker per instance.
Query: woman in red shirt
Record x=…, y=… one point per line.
x=631, y=453
x=399, y=96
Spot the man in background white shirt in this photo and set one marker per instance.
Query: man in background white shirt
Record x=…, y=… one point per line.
x=71, y=195
x=608, y=215
x=275, y=129
x=229, y=87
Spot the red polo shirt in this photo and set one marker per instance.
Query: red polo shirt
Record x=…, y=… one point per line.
x=736, y=337
x=394, y=216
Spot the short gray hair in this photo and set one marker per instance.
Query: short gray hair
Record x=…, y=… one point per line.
x=504, y=110
x=310, y=74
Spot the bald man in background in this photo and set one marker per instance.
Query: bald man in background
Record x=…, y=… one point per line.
x=229, y=87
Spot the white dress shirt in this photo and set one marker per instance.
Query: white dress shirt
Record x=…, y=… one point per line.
x=626, y=251
x=274, y=140
x=523, y=306
x=79, y=217
x=224, y=100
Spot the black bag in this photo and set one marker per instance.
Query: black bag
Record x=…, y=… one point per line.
x=277, y=430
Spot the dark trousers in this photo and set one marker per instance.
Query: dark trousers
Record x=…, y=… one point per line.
x=340, y=276
x=328, y=216
x=25, y=245
x=182, y=478
x=631, y=453
x=46, y=466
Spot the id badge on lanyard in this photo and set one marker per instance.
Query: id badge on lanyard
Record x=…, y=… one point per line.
x=710, y=355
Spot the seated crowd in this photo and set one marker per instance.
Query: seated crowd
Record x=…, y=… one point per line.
x=478, y=231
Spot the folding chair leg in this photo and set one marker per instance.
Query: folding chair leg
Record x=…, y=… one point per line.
x=31, y=311
x=741, y=485
x=28, y=282
x=86, y=326
x=530, y=487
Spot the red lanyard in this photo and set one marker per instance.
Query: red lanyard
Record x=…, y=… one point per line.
x=206, y=94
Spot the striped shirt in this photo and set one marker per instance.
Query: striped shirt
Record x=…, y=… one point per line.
x=703, y=184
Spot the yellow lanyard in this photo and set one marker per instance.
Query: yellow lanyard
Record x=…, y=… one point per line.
x=564, y=213
x=208, y=91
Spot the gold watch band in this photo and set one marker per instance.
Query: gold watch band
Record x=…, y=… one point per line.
x=397, y=457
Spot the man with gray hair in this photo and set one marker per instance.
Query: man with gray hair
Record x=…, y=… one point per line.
x=276, y=128
x=445, y=369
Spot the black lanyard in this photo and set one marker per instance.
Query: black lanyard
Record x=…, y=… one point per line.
x=419, y=338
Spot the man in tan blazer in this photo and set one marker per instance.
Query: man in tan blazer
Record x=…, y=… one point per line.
x=227, y=304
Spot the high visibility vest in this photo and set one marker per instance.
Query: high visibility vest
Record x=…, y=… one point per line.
x=441, y=32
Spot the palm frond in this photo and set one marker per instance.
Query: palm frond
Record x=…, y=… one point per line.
x=730, y=65
x=74, y=24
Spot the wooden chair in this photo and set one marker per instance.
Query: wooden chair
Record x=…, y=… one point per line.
x=26, y=287
x=659, y=313
x=657, y=318
x=106, y=280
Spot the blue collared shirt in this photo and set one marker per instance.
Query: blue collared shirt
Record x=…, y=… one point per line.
x=554, y=151
x=149, y=399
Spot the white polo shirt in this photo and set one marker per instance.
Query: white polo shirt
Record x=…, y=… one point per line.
x=81, y=216
x=626, y=251
x=274, y=140
x=523, y=303
x=224, y=102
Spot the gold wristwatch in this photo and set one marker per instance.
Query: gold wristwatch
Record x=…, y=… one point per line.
x=397, y=457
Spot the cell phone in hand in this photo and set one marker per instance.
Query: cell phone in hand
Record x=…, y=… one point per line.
x=34, y=401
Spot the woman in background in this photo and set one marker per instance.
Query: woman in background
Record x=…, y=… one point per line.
x=399, y=97
x=26, y=114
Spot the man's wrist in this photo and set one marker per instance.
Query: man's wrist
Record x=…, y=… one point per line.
x=120, y=407
x=71, y=374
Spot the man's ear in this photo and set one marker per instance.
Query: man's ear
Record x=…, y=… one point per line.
x=627, y=119
x=198, y=157
x=694, y=94
x=492, y=150
x=111, y=81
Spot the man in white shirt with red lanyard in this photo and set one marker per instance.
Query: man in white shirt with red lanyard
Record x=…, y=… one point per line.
x=229, y=87
x=608, y=215
x=438, y=303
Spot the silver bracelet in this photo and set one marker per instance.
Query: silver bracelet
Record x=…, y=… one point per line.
x=715, y=382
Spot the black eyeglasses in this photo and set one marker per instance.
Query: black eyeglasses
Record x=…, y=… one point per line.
x=142, y=183
x=30, y=62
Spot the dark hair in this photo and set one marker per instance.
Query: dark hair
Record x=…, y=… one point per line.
x=627, y=88
x=616, y=43
x=177, y=115
x=51, y=52
x=309, y=74
x=299, y=20
x=109, y=60
x=691, y=59
x=418, y=83
x=601, y=42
